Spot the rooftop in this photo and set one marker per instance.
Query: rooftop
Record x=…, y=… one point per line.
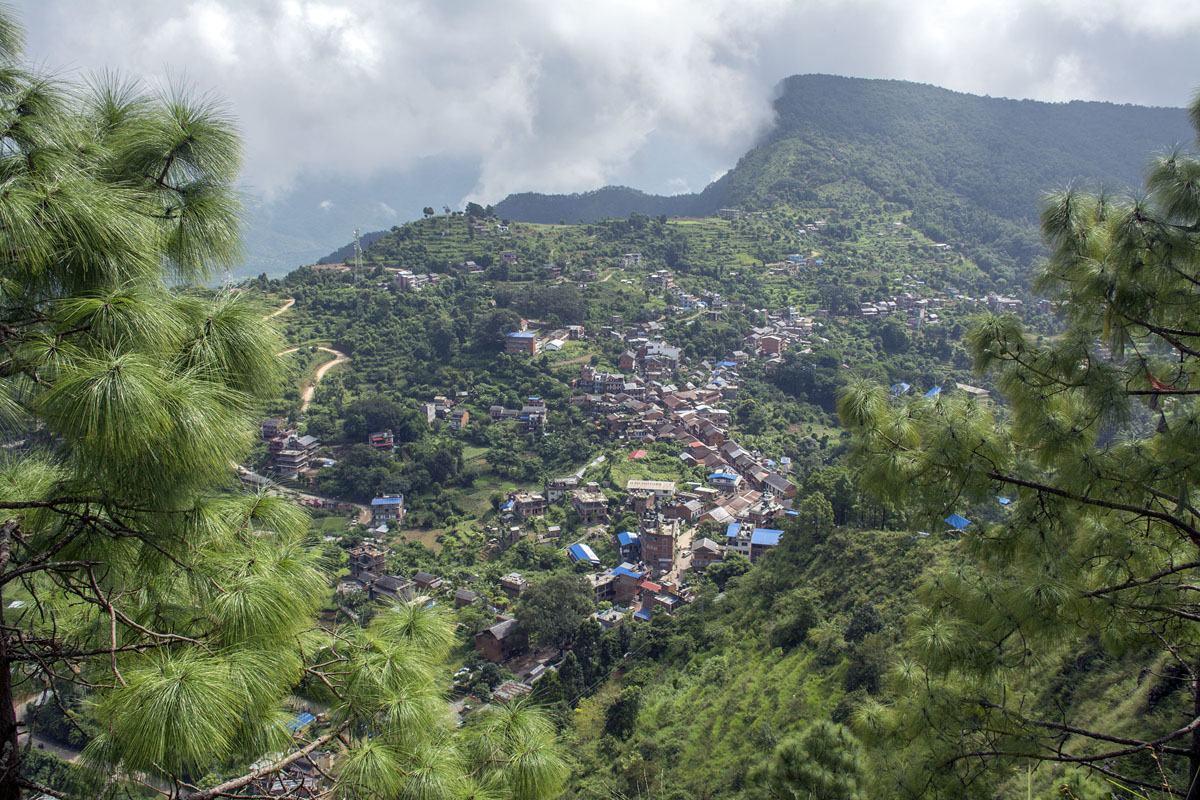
x=768, y=537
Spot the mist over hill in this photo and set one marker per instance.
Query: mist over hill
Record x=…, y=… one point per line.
x=968, y=168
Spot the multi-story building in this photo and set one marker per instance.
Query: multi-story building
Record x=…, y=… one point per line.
x=387, y=508
x=528, y=504
x=367, y=558
x=293, y=454
x=513, y=585
x=590, y=504
x=704, y=553
x=521, y=342
x=662, y=490
x=658, y=536
x=558, y=487
x=382, y=440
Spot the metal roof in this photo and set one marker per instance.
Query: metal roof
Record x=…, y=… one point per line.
x=768, y=537
x=581, y=552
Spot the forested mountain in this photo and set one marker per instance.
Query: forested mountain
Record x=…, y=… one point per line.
x=969, y=169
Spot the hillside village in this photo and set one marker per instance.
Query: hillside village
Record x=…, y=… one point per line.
x=654, y=398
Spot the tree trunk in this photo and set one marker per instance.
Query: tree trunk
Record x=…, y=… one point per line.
x=10, y=749
x=1193, y=789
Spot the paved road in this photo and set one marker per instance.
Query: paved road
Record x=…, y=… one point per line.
x=595, y=462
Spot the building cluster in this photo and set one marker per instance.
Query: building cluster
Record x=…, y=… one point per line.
x=368, y=573
x=444, y=408
x=406, y=280
x=532, y=338
x=289, y=454
x=532, y=415
x=915, y=309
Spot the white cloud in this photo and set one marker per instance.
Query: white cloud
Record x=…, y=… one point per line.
x=554, y=96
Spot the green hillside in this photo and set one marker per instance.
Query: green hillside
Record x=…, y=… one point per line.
x=968, y=169
x=918, y=664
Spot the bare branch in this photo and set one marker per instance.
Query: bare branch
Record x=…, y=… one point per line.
x=237, y=783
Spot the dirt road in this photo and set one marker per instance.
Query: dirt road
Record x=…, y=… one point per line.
x=291, y=301
x=306, y=394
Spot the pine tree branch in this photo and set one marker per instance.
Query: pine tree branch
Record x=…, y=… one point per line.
x=1132, y=583
x=1192, y=533
x=224, y=789
x=1158, y=744
x=39, y=787
x=982, y=754
x=51, y=565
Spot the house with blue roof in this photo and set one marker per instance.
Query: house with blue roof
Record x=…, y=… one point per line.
x=387, y=508
x=521, y=342
x=626, y=580
x=725, y=481
x=762, y=540
x=581, y=552
x=934, y=392
x=957, y=521
x=737, y=538
x=299, y=723
x=630, y=545
x=750, y=541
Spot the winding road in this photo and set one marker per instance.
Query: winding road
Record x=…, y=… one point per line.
x=291, y=301
x=306, y=395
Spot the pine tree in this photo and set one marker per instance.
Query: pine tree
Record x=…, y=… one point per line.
x=587, y=648
x=185, y=609
x=574, y=682
x=822, y=761
x=1097, y=445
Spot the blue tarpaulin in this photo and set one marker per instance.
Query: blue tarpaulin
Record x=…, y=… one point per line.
x=957, y=521
x=300, y=722
x=934, y=392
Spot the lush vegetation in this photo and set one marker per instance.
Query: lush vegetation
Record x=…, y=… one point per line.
x=965, y=169
x=158, y=617
x=177, y=624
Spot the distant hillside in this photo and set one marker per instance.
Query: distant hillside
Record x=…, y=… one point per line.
x=969, y=169
x=345, y=253
x=608, y=203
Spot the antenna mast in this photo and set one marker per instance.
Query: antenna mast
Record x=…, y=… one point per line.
x=357, y=250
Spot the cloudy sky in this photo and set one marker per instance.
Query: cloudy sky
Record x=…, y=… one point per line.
x=566, y=95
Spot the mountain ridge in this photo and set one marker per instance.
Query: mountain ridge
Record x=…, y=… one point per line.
x=968, y=167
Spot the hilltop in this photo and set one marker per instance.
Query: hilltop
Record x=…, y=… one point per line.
x=966, y=167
